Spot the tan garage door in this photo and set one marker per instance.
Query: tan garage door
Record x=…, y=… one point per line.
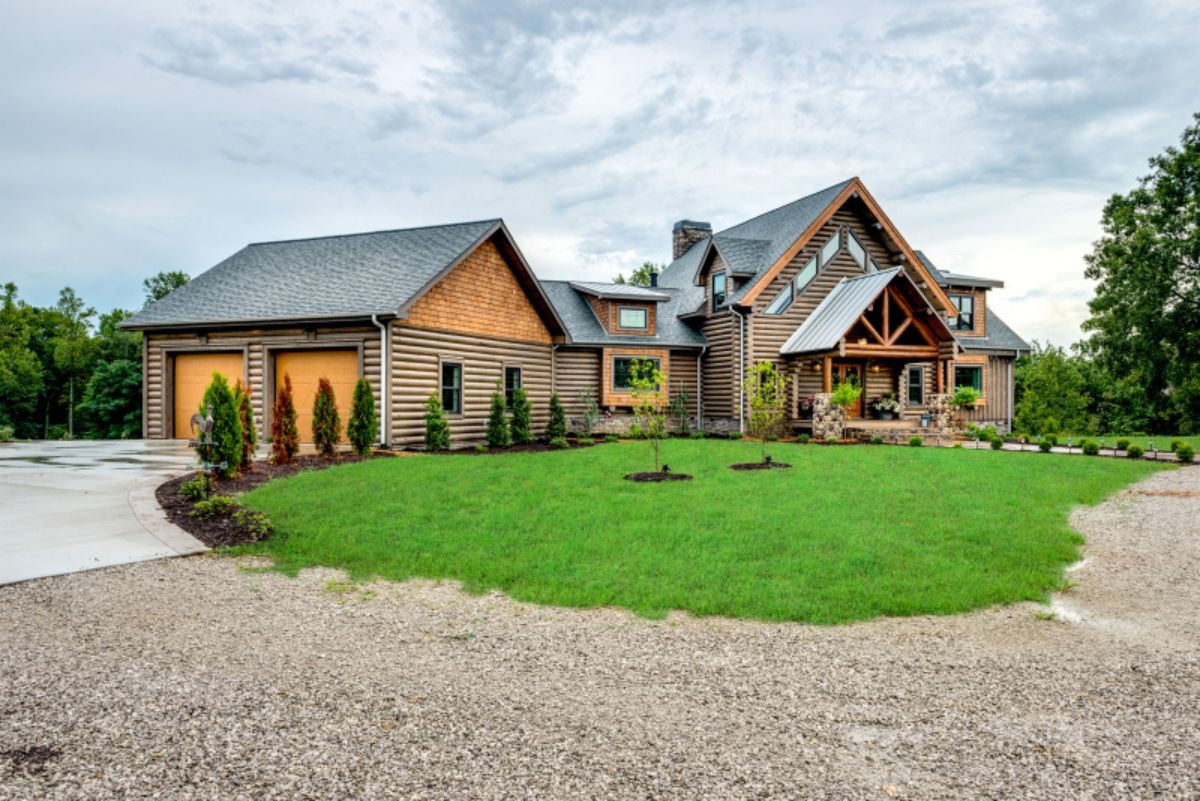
x=306, y=368
x=193, y=374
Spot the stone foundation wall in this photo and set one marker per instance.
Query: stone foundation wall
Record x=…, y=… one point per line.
x=828, y=420
x=944, y=419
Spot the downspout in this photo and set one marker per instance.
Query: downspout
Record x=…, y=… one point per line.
x=699, y=385
x=385, y=357
x=741, y=369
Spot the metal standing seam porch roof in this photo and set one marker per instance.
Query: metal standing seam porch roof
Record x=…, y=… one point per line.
x=840, y=309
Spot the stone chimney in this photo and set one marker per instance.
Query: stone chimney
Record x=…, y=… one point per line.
x=687, y=233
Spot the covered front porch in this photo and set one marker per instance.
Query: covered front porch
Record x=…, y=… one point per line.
x=878, y=333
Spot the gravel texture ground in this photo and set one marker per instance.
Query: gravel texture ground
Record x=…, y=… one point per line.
x=200, y=678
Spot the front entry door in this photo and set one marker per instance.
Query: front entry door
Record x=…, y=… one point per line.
x=851, y=372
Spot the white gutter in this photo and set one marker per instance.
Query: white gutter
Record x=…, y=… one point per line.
x=741, y=370
x=385, y=356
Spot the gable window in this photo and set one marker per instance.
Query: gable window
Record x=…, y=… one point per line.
x=718, y=289
x=965, y=321
x=915, y=386
x=633, y=317
x=452, y=387
x=623, y=370
x=856, y=250
x=872, y=267
x=793, y=289
x=969, y=375
x=512, y=382
x=831, y=248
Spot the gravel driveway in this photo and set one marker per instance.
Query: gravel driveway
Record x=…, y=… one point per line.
x=200, y=678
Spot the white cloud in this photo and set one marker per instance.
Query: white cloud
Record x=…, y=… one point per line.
x=143, y=136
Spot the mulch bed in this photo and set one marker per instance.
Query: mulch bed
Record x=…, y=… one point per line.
x=760, y=466
x=532, y=447
x=221, y=531
x=652, y=477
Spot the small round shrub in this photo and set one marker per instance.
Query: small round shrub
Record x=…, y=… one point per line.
x=1185, y=452
x=1089, y=448
x=636, y=432
x=1122, y=444
x=956, y=445
x=876, y=440
x=772, y=438
x=803, y=439
x=997, y=443
x=735, y=434
x=1045, y=444
x=1051, y=438
x=481, y=448
x=586, y=441
x=915, y=442
x=1175, y=443
x=1134, y=451
x=559, y=442
x=193, y=490
x=831, y=440
x=611, y=438
x=696, y=435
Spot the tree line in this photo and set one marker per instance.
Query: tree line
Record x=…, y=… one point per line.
x=68, y=372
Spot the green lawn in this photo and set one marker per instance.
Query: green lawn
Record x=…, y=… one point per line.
x=849, y=533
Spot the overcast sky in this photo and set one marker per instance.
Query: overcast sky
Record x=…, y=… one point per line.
x=140, y=136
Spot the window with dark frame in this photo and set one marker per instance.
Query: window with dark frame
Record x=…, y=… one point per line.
x=512, y=382
x=623, y=370
x=965, y=321
x=916, y=386
x=633, y=317
x=970, y=375
x=452, y=387
x=718, y=289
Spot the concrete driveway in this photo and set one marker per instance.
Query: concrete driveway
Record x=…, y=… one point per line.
x=71, y=506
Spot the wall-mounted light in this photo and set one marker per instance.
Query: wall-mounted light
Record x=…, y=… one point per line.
x=862, y=340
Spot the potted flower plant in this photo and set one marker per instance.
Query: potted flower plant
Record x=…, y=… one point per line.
x=886, y=406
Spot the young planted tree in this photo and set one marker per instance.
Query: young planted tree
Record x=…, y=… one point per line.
x=363, y=423
x=241, y=396
x=227, y=426
x=285, y=438
x=498, y=434
x=679, y=411
x=766, y=390
x=557, y=427
x=522, y=413
x=437, y=425
x=591, y=412
x=326, y=423
x=646, y=382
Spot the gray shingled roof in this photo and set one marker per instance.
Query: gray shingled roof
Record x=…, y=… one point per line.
x=620, y=291
x=751, y=247
x=584, y=327
x=945, y=278
x=999, y=336
x=353, y=275
x=837, y=311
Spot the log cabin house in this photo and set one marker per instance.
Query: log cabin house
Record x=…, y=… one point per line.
x=824, y=286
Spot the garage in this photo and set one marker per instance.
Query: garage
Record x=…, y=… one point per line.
x=306, y=368
x=193, y=374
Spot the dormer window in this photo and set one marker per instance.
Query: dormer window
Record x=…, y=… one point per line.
x=718, y=289
x=965, y=321
x=633, y=317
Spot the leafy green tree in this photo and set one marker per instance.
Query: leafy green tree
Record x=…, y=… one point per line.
x=73, y=348
x=766, y=391
x=112, y=400
x=640, y=276
x=364, y=424
x=285, y=436
x=557, y=427
x=522, y=414
x=437, y=425
x=114, y=342
x=498, y=434
x=227, y=426
x=1051, y=393
x=646, y=383
x=326, y=423
x=159, y=285
x=1145, y=316
x=21, y=372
